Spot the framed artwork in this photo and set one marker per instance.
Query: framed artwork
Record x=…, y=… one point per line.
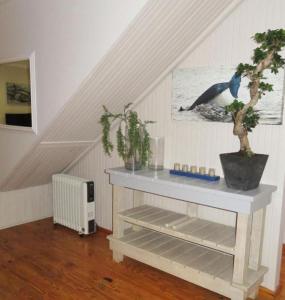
x=201, y=94
x=18, y=93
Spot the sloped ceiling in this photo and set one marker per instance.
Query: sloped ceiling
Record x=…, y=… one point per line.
x=163, y=33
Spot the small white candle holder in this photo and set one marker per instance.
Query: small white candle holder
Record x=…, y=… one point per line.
x=185, y=168
x=193, y=169
x=202, y=170
x=211, y=172
x=176, y=166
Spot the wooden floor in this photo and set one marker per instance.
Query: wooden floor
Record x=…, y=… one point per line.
x=38, y=261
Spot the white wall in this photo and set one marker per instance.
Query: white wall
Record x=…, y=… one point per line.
x=201, y=143
x=27, y=205
x=69, y=37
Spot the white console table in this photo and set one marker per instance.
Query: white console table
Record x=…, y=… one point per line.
x=220, y=258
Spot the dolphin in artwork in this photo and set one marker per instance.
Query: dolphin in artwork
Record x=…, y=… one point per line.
x=215, y=90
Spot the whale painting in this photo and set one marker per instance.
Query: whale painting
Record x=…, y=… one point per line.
x=201, y=94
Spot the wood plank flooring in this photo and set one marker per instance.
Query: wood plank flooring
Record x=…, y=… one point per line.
x=38, y=261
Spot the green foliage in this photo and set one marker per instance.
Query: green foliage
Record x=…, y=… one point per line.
x=271, y=41
x=134, y=140
x=145, y=146
x=243, y=69
x=105, y=122
x=265, y=87
x=251, y=117
x=121, y=144
x=234, y=107
x=265, y=56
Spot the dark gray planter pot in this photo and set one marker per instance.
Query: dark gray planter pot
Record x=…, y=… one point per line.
x=243, y=173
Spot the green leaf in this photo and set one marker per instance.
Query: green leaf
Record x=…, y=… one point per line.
x=234, y=107
x=136, y=138
x=251, y=119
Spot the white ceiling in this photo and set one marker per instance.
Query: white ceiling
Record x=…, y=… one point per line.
x=163, y=33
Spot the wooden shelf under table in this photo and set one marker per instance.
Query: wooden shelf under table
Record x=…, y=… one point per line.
x=206, y=233
x=200, y=265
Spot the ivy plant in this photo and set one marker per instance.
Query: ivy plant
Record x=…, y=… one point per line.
x=132, y=135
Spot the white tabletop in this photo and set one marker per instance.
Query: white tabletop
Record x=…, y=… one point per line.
x=214, y=194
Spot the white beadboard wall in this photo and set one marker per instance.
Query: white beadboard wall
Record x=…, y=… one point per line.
x=201, y=143
x=68, y=38
x=161, y=33
x=26, y=205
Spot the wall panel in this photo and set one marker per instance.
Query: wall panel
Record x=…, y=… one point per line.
x=68, y=38
x=201, y=143
x=27, y=205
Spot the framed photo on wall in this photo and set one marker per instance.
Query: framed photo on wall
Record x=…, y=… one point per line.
x=18, y=93
x=201, y=94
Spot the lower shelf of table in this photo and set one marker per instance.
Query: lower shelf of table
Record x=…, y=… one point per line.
x=200, y=265
x=209, y=234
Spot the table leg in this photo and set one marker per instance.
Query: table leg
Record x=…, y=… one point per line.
x=138, y=200
x=192, y=210
x=254, y=294
x=242, y=247
x=256, y=239
x=118, y=226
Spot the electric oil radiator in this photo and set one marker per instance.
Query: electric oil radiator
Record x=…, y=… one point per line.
x=74, y=203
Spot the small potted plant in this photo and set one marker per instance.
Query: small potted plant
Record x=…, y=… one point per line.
x=133, y=140
x=243, y=169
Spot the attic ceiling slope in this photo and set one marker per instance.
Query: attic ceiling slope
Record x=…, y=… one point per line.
x=163, y=31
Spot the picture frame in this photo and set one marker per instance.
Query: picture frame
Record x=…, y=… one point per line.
x=189, y=84
x=18, y=93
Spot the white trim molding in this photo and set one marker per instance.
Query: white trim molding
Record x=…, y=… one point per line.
x=32, y=65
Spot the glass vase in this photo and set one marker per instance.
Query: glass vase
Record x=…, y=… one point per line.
x=156, y=159
x=134, y=162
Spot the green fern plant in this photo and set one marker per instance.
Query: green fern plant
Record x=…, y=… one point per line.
x=132, y=135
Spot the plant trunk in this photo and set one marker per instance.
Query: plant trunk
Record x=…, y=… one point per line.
x=255, y=76
x=241, y=132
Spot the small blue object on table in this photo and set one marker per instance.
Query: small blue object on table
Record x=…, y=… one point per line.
x=195, y=175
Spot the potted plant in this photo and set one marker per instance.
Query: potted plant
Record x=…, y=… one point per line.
x=133, y=140
x=243, y=169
